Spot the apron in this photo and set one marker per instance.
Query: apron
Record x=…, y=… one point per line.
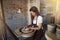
x=38, y=34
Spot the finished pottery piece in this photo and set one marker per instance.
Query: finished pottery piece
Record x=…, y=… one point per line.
x=51, y=28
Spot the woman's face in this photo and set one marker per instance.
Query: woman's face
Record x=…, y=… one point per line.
x=33, y=13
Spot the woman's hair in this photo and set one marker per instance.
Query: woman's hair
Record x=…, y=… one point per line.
x=34, y=9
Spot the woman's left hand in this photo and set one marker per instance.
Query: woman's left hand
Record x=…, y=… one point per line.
x=30, y=28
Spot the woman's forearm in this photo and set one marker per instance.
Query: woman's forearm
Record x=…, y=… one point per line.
x=35, y=28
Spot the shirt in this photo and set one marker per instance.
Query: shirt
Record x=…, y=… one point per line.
x=38, y=21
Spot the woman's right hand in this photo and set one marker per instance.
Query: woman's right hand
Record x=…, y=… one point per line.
x=26, y=28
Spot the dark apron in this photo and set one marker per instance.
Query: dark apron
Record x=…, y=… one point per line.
x=38, y=34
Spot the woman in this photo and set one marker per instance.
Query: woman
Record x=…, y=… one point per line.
x=37, y=21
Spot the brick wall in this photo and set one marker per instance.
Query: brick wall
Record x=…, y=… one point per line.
x=12, y=17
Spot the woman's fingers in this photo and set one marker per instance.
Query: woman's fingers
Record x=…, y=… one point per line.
x=27, y=29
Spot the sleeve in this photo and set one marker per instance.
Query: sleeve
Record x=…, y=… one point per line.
x=40, y=20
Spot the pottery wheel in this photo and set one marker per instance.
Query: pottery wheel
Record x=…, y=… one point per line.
x=26, y=31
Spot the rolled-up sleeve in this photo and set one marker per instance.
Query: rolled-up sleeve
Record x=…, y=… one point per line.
x=39, y=20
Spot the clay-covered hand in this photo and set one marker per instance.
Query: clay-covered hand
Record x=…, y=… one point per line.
x=27, y=29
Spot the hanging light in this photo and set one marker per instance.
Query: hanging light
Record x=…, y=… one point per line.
x=19, y=11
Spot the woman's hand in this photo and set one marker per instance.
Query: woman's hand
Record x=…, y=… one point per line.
x=26, y=28
x=31, y=28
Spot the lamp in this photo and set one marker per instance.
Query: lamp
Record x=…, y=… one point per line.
x=19, y=11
